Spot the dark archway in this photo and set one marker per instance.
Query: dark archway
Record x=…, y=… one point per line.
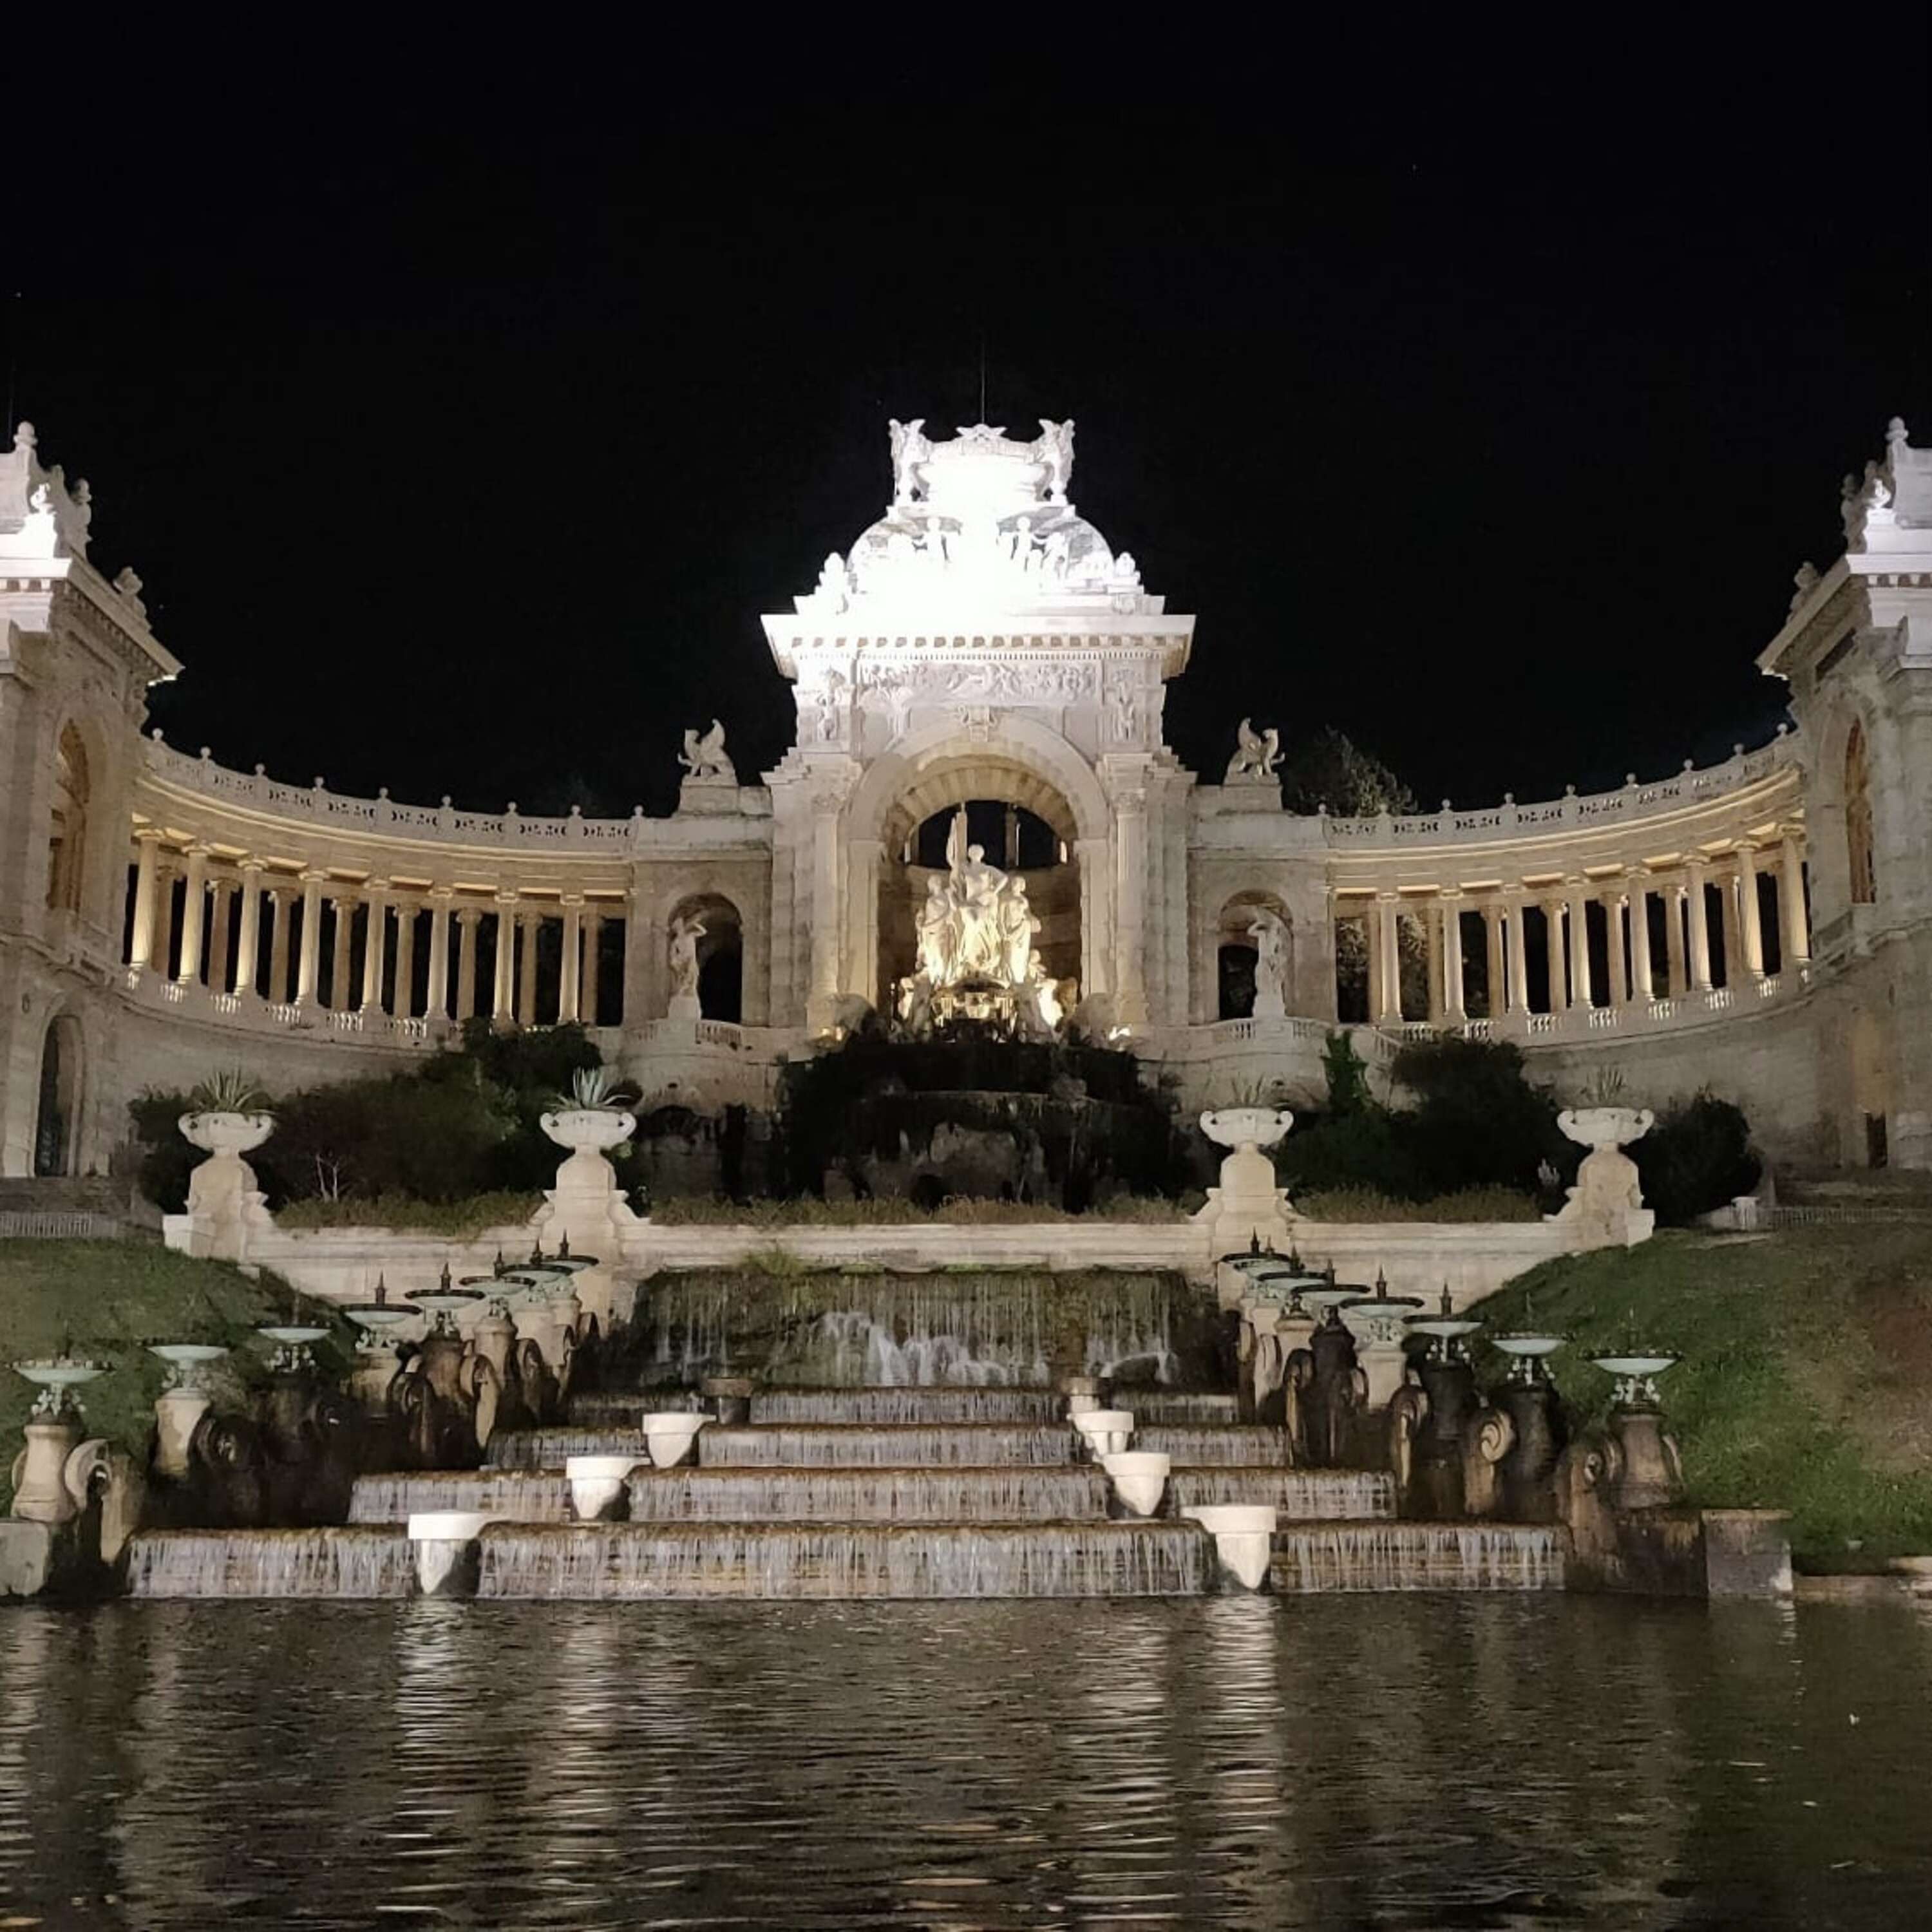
x=57, y=1118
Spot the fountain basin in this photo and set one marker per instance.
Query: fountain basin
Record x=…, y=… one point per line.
x=1244, y=1535
x=1139, y=1477
x=597, y=1486
x=1247, y=1128
x=1105, y=1432
x=669, y=1434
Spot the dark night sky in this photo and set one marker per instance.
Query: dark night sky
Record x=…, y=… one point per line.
x=461, y=437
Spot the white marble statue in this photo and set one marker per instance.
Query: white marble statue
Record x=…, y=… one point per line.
x=1054, y=447
x=975, y=922
x=910, y=448
x=1271, y=938
x=1256, y=753
x=685, y=932
x=703, y=756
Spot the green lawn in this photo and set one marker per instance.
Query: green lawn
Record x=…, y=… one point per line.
x=107, y=1300
x=1806, y=1383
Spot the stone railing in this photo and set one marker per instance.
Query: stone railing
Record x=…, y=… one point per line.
x=443, y=824
x=1572, y=812
x=187, y=1001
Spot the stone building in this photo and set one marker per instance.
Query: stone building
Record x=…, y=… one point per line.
x=1763, y=926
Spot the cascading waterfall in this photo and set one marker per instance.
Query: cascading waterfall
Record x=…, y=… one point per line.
x=1420, y=1556
x=551, y=1448
x=592, y=1408
x=1298, y=1495
x=522, y=1496
x=1012, y=1495
x=1245, y=1445
x=1176, y=1408
x=907, y=1405
x=353, y=1562
x=884, y=1445
x=601, y=1560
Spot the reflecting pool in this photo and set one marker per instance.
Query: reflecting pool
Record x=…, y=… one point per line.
x=1392, y=1762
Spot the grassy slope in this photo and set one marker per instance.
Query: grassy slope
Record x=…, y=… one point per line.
x=1807, y=1378
x=108, y=1300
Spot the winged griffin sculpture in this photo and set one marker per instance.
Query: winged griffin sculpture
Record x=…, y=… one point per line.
x=1256, y=753
x=704, y=755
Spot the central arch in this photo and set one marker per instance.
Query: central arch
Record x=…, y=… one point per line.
x=946, y=766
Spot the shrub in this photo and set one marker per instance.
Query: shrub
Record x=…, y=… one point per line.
x=1473, y=1204
x=1696, y=1157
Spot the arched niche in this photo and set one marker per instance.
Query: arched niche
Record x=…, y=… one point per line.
x=721, y=952
x=57, y=1113
x=67, y=828
x=1860, y=870
x=1235, y=953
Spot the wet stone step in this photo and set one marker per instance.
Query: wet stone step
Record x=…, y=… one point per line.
x=1154, y=1409
x=1247, y=1445
x=520, y=1495
x=551, y=1448
x=1297, y=1495
x=591, y=1408
x=350, y=1562
x=1419, y=1556
x=645, y=1562
x=897, y=1445
x=907, y=1405
x=1012, y=1494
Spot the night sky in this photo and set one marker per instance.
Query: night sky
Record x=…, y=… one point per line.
x=461, y=437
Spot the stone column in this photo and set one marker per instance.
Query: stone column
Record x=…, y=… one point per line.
x=861, y=965
x=502, y=1008
x=141, y=941
x=593, y=933
x=526, y=980
x=436, y=1003
x=1433, y=953
x=568, y=977
x=1552, y=954
x=194, y=909
x=822, y=987
x=403, y=1004
x=1677, y=972
x=1700, y=927
x=1518, y=954
x=1795, y=927
x=1616, y=954
x=1455, y=1008
x=283, y=902
x=1580, y=991
x=308, y=972
x=221, y=914
x=1492, y=955
x=1751, y=927
x=248, y=941
x=1642, y=982
x=1130, y=905
x=338, y=963
x=1097, y=917
x=375, y=943
x=467, y=920
x=1388, y=947
x=164, y=914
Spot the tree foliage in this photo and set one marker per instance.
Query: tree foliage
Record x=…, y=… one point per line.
x=1331, y=770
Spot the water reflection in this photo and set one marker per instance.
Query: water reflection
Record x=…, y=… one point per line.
x=1406, y=1762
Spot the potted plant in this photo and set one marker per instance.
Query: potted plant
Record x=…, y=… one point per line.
x=226, y=1116
x=596, y=1114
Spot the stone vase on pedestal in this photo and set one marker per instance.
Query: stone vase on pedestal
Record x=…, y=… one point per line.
x=224, y=1205
x=1249, y=1204
x=586, y=1206
x=1606, y=1207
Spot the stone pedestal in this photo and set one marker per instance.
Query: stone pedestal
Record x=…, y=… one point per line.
x=494, y=1338
x=26, y=1556
x=1645, y=1472
x=1747, y=1552
x=369, y=1381
x=177, y=1411
x=729, y=1399
x=40, y=1486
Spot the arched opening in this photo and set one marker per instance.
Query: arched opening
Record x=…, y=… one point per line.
x=1860, y=871
x=57, y=1121
x=66, y=831
x=1252, y=957
x=707, y=925
x=1024, y=829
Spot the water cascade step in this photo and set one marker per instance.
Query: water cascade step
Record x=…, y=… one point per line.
x=604, y=1561
x=1037, y=1406
x=334, y=1562
x=886, y=1445
x=1419, y=1556
x=1245, y=1445
x=1296, y=1495
x=1012, y=1494
x=519, y=1495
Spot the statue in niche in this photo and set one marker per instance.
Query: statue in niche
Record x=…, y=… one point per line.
x=910, y=448
x=976, y=923
x=703, y=757
x=1271, y=938
x=685, y=931
x=1256, y=753
x=1054, y=447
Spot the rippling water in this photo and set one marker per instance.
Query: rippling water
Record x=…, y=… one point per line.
x=1424, y=1761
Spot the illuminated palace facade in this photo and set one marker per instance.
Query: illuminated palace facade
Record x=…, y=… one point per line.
x=1763, y=926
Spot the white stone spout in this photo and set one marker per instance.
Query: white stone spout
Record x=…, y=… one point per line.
x=1244, y=1535
x=670, y=1434
x=597, y=1485
x=1105, y=1432
x=444, y=1543
x=1139, y=1477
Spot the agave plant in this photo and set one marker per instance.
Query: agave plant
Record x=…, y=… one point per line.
x=1604, y=1087
x=597, y=1090
x=229, y=1092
